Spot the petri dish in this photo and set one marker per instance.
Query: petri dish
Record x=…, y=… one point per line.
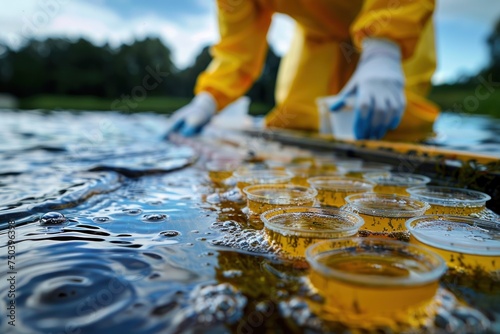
x=264, y=197
x=221, y=170
x=293, y=229
x=245, y=178
x=385, y=212
x=332, y=190
x=375, y=282
x=467, y=244
x=301, y=174
x=450, y=200
x=395, y=183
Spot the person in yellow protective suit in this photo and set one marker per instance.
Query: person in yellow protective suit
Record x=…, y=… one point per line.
x=381, y=52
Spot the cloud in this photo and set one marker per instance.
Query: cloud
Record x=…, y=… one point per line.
x=101, y=24
x=187, y=26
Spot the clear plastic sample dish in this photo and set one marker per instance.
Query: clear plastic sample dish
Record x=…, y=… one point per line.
x=395, y=183
x=293, y=229
x=449, y=200
x=332, y=190
x=465, y=243
x=385, y=212
x=246, y=178
x=221, y=170
x=264, y=197
x=374, y=280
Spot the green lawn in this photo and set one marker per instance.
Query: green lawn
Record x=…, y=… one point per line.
x=451, y=98
x=467, y=99
x=157, y=104
x=55, y=102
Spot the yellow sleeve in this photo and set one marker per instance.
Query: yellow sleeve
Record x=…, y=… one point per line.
x=400, y=21
x=239, y=56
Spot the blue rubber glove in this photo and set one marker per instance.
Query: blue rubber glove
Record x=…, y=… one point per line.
x=190, y=119
x=377, y=86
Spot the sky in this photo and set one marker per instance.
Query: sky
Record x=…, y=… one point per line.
x=186, y=26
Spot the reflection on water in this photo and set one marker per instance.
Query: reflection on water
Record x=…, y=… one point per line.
x=479, y=134
x=133, y=242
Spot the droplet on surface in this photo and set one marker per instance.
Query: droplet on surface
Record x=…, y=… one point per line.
x=170, y=234
x=53, y=218
x=154, y=217
x=133, y=212
x=101, y=219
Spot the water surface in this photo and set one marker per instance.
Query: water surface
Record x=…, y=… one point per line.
x=147, y=247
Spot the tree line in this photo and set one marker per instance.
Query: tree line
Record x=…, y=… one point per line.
x=57, y=66
x=78, y=67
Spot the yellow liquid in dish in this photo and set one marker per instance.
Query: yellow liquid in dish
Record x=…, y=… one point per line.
x=355, y=174
x=218, y=177
x=454, y=210
x=316, y=228
x=335, y=198
x=383, y=224
x=369, y=306
x=300, y=181
x=387, y=215
x=462, y=261
x=291, y=245
x=386, y=189
x=257, y=208
x=301, y=175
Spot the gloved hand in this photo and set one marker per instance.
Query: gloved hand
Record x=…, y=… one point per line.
x=190, y=119
x=377, y=86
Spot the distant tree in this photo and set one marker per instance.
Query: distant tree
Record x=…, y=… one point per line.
x=61, y=66
x=5, y=67
x=494, y=46
x=27, y=69
x=78, y=67
x=187, y=77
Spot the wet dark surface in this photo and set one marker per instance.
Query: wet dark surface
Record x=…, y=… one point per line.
x=114, y=234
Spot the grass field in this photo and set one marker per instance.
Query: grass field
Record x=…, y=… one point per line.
x=472, y=100
x=163, y=104
x=467, y=99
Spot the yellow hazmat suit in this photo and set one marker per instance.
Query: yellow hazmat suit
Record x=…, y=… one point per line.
x=323, y=54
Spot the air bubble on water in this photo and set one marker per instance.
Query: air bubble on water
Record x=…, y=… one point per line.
x=233, y=195
x=298, y=310
x=53, y=218
x=265, y=307
x=447, y=322
x=248, y=240
x=210, y=305
x=133, y=212
x=475, y=321
x=232, y=273
x=167, y=237
x=154, y=217
x=227, y=226
x=170, y=234
x=101, y=219
x=214, y=198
